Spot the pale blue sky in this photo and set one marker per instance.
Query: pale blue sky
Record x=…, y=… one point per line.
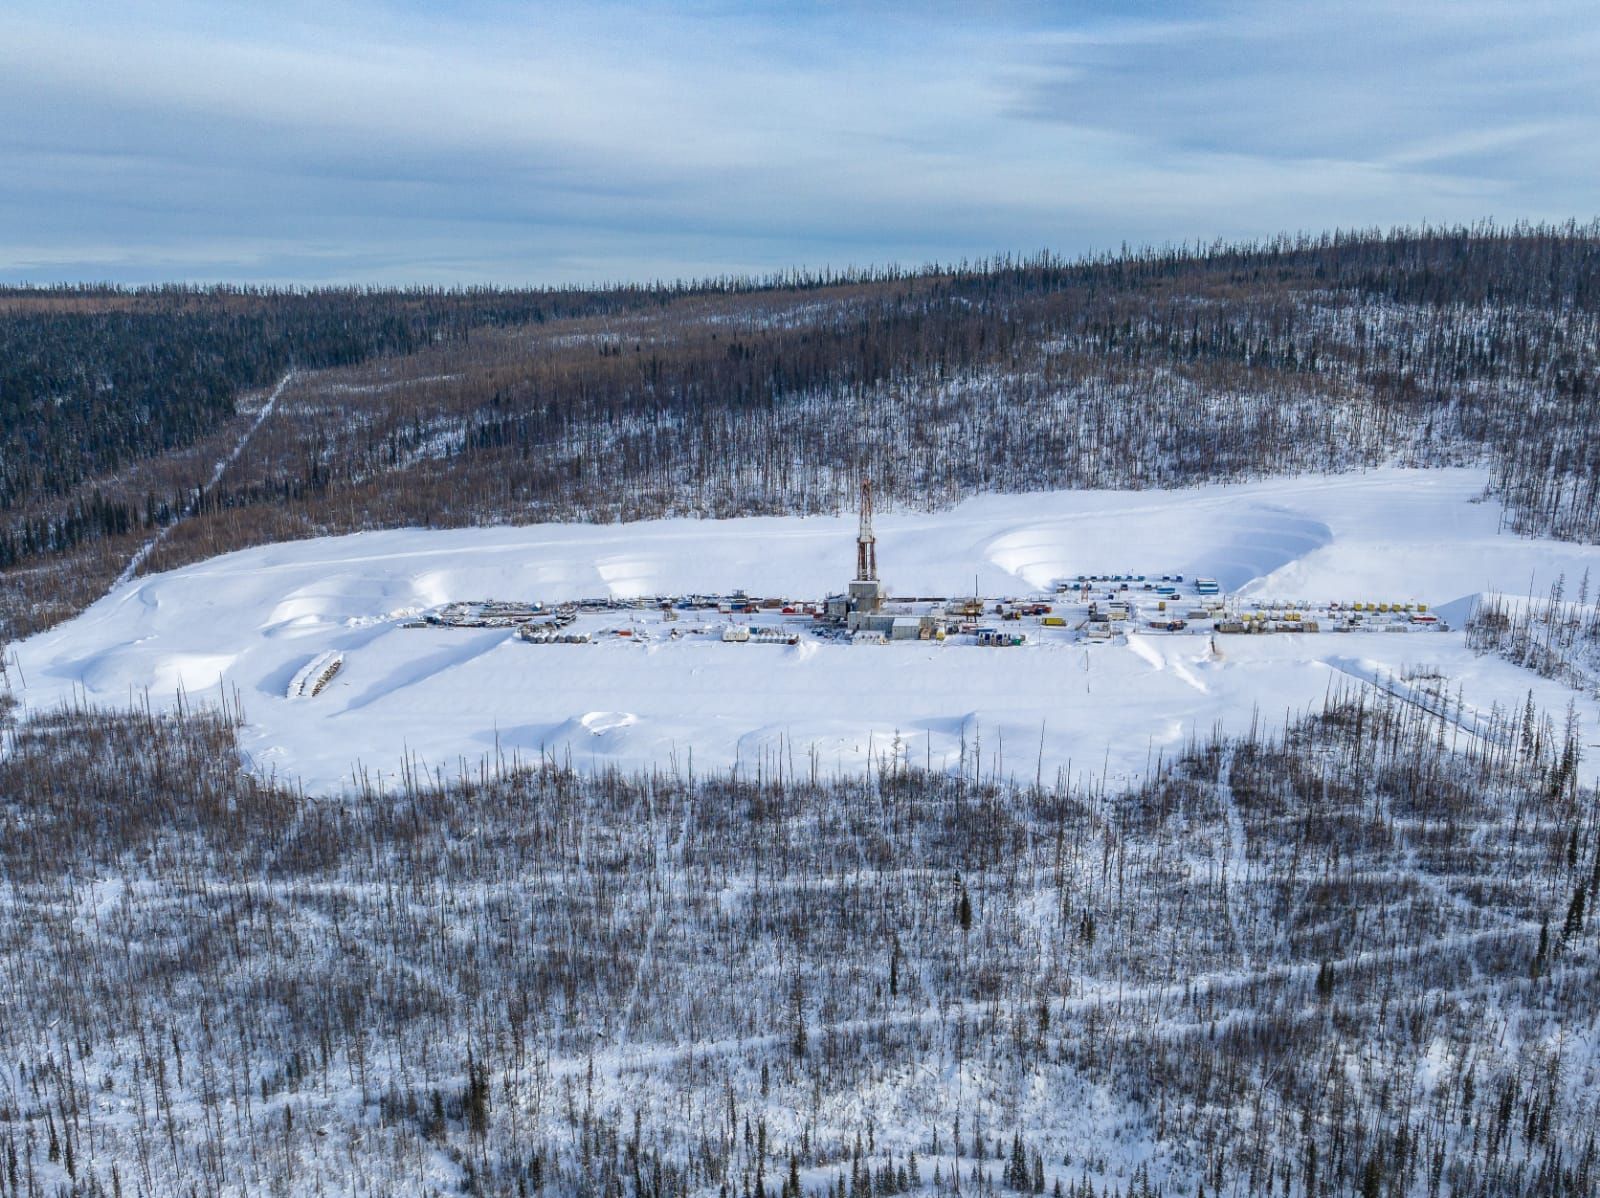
x=530, y=143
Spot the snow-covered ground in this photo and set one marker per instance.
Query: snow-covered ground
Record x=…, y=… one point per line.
x=250, y=622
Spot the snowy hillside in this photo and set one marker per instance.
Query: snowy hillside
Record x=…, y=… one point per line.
x=253, y=622
x=1304, y=913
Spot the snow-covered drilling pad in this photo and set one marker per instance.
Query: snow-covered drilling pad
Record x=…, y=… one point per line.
x=254, y=622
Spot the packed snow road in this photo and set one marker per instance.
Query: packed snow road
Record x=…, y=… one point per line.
x=250, y=623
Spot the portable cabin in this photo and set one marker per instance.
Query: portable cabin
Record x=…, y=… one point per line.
x=1206, y=586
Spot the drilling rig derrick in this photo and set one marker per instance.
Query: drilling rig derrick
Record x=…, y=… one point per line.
x=866, y=543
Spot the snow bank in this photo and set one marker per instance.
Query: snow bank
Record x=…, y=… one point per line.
x=310, y=680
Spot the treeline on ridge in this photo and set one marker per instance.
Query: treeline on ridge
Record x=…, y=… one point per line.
x=92, y=378
x=1156, y=368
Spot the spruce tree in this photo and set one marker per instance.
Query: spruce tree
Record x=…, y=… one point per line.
x=1574, y=924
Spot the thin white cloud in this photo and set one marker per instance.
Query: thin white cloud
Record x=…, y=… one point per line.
x=375, y=140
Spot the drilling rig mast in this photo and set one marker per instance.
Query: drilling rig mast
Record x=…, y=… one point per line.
x=866, y=543
x=862, y=602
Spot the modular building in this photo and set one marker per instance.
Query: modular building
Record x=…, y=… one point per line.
x=874, y=621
